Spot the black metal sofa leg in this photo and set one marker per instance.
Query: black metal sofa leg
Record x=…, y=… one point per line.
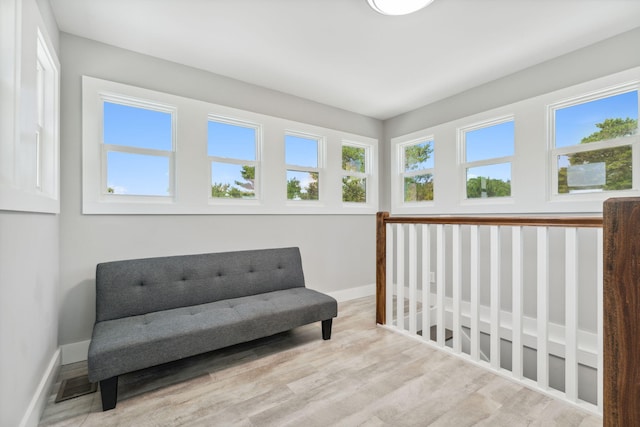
x=109, y=392
x=326, y=329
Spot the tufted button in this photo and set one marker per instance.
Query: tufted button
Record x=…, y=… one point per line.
x=141, y=283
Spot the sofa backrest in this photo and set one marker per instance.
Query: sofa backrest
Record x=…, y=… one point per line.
x=140, y=286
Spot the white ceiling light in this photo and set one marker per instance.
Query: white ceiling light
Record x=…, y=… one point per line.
x=398, y=7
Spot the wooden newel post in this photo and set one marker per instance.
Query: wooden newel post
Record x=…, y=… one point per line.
x=621, y=323
x=381, y=267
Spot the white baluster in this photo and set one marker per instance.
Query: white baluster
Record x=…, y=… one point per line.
x=542, y=307
x=495, y=296
x=440, y=277
x=600, y=302
x=456, y=280
x=400, y=275
x=517, y=304
x=426, y=282
x=571, y=314
x=391, y=250
x=413, y=279
x=475, y=299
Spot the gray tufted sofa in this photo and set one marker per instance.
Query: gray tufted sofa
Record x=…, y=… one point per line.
x=156, y=310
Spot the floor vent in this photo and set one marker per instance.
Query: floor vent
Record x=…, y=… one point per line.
x=75, y=387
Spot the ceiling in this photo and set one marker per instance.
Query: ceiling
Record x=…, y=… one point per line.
x=341, y=52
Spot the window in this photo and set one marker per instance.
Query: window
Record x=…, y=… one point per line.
x=302, y=157
x=138, y=148
x=233, y=153
x=29, y=114
x=355, y=168
x=488, y=151
x=417, y=170
x=592, y=141
x=153, y=153
x=46, y=152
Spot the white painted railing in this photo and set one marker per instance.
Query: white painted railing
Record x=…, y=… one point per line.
x=519, y=296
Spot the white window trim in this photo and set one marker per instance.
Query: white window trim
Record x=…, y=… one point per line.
x=33, y=186
x=464, y=165
x=360, y=175
x=399, y=173
x=631, y=141
x=107, y=148
x=193, y=167
x=257, y=200
x=320, y=169
x=532, y=161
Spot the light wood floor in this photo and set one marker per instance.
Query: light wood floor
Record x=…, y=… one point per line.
x=364, y=376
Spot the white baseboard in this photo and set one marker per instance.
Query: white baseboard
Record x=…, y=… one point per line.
x=353, y=293
x=75, y=352
x=32, y=416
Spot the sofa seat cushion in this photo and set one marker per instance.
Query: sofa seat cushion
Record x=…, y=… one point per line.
x=127, y=344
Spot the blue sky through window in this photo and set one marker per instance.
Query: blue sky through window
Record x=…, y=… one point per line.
x=498, y=171
x=137, y=174
x=231, y=141
x=490, y=142
x=137, y=127
x=301, y=151
x=578, y=121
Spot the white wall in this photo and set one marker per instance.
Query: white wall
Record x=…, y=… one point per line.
x=338, y=251
x=28, y=308
x=29, y=280
x=601, y=59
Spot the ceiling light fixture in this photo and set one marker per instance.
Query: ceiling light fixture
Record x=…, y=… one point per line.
x=398, y=7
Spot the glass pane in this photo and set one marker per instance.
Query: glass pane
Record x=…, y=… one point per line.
x=137, y=127
x=137, y=174
x=232, y=181
x=354, y=189
x=418, y=188
x=418, y=156
x=302, y=185
x=489, y=181
x=598, y=170
x=231, y=141
x=301, y=151
x=489, y=142
x=602, y=119
x=354, y=158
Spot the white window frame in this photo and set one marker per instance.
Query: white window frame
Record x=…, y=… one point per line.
x=192, y=164
x=47, y=120
x=465, y=165
x=366, y=175
x=533, y=161
x=401, y=149
x=241, y=162
x=30, y=114
x=168, y=154
x=320, y=169
x=631, y=141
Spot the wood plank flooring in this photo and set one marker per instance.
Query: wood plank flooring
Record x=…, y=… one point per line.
x=364, y=376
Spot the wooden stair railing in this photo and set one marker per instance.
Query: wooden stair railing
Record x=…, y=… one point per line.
x=621, y=300
x=621, y=294
x=383, y=218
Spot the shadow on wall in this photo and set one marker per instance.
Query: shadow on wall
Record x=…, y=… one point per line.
x=77, y=312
